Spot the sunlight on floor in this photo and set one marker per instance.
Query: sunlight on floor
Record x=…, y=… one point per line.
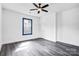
x=23, y=46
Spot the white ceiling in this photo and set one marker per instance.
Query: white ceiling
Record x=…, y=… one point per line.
x=53, y=7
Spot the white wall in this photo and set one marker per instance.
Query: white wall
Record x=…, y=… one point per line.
x=0, y=26
x=12, y=27
x=68, y=26
x=48, y=26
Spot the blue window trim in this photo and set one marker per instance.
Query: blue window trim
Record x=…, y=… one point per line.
x=23, y=26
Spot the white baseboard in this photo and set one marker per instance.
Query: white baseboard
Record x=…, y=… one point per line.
x=0, y=46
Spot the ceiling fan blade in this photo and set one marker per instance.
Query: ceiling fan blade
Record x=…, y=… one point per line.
x=45, y=6
x=33, y=9
x=38, y=12
x=35, y=5
x=44, y=10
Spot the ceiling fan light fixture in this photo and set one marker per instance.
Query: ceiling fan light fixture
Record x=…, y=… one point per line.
x=39, y=9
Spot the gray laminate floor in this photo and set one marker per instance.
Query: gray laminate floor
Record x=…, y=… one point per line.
x=38, y=47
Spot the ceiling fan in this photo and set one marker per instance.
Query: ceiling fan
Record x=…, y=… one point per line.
x=39, y=8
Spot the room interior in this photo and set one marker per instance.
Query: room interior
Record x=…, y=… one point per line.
x=55, y=29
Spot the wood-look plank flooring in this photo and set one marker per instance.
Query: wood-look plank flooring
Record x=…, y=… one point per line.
x=39, y=47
